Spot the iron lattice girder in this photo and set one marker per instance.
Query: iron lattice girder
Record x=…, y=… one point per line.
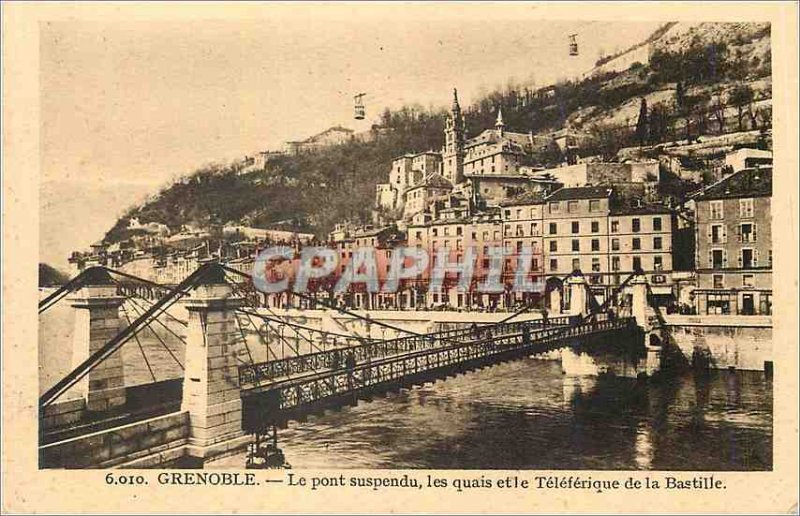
x=296, y=392
x=274, y=369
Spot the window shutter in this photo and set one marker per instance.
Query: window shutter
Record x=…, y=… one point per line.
x=710, y=234
x=724, y=258
x=710, y=258
x=754, y=232
x=724, y=233
x=711, y=210
x=741, y=258
x=738, y=232
x=755, y=257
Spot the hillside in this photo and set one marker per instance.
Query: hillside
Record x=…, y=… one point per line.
x=700, y=79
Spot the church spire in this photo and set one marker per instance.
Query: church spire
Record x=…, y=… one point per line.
x=499, y=125
x=456, y=108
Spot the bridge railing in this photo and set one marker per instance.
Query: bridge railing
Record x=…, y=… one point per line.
x=293, y=393
x=333, y=358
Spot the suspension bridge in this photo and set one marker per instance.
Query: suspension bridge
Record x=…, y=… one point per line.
x=232, y=367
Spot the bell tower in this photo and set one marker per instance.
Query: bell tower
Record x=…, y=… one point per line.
x=454, y=138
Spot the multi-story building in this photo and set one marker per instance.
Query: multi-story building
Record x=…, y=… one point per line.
x=606, y=237
x=417, y=197
x=734, y=244
x=575, y=224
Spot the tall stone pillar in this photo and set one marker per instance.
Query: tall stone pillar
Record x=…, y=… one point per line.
x=211, y=392
x=555, y=301
x=577, y=295
x=96, y=322
x=638, y=286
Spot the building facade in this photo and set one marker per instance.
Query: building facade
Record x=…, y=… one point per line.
x=733, y=237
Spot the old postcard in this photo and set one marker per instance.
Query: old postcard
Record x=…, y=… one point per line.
x=419, y=257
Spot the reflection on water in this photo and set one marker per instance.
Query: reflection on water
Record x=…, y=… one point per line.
x=527, y=415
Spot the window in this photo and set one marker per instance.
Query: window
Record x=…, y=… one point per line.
x=656, y=242
x=636, y=225
x=553, y=265
x=716, y=210
x=594, y=205
x=497, y=235
x=595, y=264
x=553, y=207
x=748, y=280
x=637, y=263
x=458, y=231
x=519, y=246
x=615, y=263
x=534, y=229
x=656, y=223
x=520, y=231
x=717, y=258
x=519, y=214
x=615, y=244
x=576, y=227
x=553, y=246
x=637, y=244
x=576, y=264
x=745, y=208
x=576, y=245
x=718, y=281
x=533, y=213
x=658, y=263
x=595, y=227
x=553, y=228
x=458, y=245
x=474, y=235
x=435, y=232
x=572, y=206
x=508, y=214
x=747, y=259
x=615, y=226
x=446, y=231
x=718, y=234
x=419, y=235
x=747, y=232
x=595, y=244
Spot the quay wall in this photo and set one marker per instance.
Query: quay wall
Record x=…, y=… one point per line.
x=153, y=443
x=726, y=341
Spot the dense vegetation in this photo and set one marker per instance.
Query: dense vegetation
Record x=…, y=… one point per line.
x=313, y=191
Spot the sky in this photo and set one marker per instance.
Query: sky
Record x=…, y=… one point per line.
x=127, y=106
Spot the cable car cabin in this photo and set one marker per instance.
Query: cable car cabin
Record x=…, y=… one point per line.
x=573, y=45
x=360, y=114
x=359, y=111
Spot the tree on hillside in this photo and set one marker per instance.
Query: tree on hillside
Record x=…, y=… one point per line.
x=641, y=124
x=49, y=276
x=742, y=98
x=718, y=111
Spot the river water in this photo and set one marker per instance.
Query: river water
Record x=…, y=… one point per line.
x=528, y=415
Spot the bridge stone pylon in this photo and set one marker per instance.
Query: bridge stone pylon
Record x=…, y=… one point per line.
x=577, y=294
x=97, y=320
x=211, y=390
x=638, y=286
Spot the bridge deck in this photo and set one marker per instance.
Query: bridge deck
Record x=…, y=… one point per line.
x=283, y=399
x=266, y=373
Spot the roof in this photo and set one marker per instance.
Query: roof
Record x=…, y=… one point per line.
x=748, y=182
x=434, y=180
x=525, y=198
x=580, y=192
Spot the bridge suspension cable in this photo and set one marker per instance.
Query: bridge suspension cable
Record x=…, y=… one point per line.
x=123, y=336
